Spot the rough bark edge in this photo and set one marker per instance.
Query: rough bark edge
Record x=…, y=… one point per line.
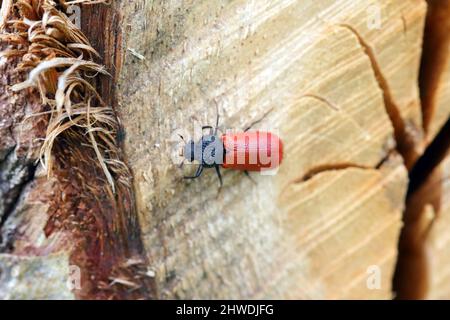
x=99, y=214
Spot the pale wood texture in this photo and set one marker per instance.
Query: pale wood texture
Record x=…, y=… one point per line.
x=338, y=93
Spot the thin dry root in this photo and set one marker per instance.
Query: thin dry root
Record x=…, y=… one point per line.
x=59, y=61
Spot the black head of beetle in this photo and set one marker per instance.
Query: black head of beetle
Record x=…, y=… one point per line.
x=209, y=151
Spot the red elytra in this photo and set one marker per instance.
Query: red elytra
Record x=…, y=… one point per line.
x=252, y=151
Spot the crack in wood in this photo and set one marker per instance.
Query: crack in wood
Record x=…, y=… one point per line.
x=321, y=99
x=258, y=120
x=313, y=172
x=430, y=159
x=404, y=141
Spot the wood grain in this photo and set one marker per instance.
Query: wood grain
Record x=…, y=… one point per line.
x=341, y=96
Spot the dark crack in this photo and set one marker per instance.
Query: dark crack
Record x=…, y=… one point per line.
x=328, y=167
x=321, y=99
x=431, y=158
x=258, y=120
x=312, y=172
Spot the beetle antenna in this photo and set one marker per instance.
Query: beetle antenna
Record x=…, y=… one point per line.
x=182, y=137
x=219, y=175
x=249, y=176
x=217, y=118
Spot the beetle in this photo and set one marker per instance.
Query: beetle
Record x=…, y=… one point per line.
x=245, y=151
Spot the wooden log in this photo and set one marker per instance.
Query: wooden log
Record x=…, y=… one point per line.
x=337, y=80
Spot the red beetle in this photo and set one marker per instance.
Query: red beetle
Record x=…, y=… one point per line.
x=247, y=151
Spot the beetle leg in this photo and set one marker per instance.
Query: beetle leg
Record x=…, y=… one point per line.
x=217, y=118
x=197, y=173
x=219, y=175
x=211, y=129
x=248, y=175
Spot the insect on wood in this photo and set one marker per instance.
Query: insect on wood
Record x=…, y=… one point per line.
x=245, y=151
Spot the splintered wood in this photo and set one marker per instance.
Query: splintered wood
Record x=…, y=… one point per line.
x=336, y=79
